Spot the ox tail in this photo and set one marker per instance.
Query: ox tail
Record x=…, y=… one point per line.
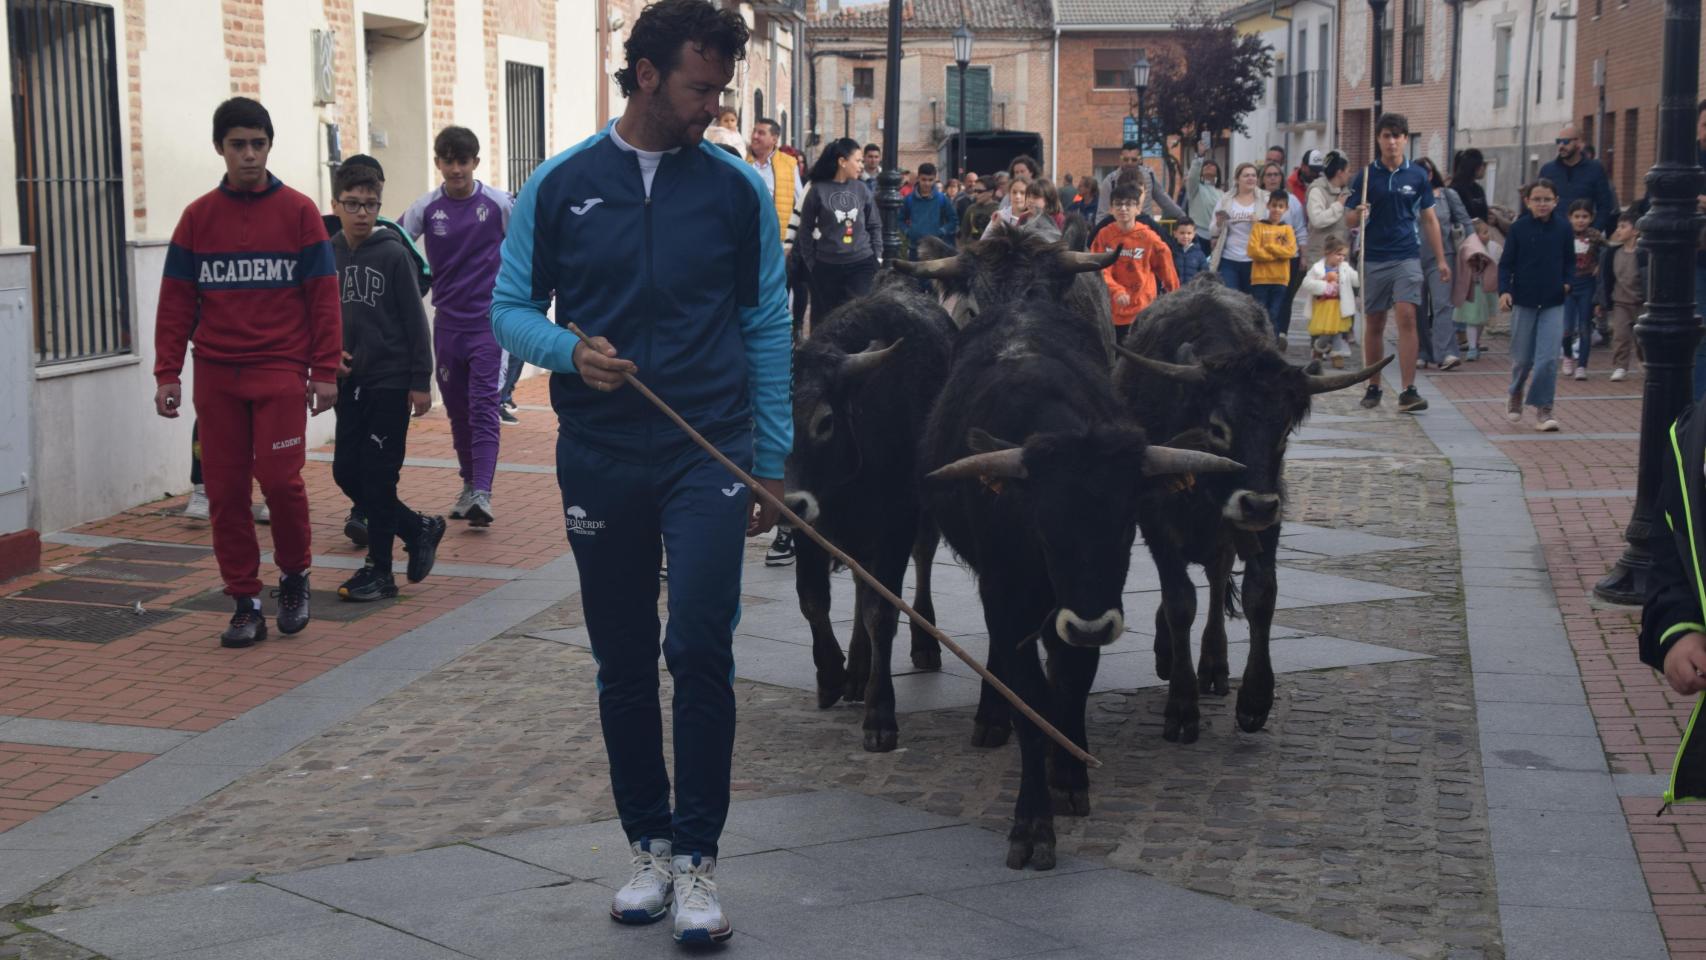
x=1233, y=605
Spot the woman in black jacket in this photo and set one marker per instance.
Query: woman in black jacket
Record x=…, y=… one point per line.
x=1466, y=175
x=1535, y=271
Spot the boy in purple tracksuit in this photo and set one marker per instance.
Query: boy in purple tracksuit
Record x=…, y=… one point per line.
x=464, y=222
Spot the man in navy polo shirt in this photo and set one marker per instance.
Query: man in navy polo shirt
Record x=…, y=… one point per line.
x=1396, y=201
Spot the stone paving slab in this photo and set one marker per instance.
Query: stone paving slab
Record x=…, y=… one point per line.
x=342, y=936
x=428, y=879
x=90, y=736
x=179, y=923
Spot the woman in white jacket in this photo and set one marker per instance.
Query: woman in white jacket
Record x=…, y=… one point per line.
x=1325, y=204
x=1331, y=287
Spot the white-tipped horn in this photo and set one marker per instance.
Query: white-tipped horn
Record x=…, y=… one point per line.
x=870, y=358
x=1159, y=460
x=1072, y=261
x=1328, y=382
x=1000, y=463
x=1182, y=372
x=946, y=268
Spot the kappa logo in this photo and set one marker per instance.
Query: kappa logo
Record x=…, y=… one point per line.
x=287, y=444
x=575, y=521
x=440, y=223
x=440, y=215
x=731, y=491
x=588, y=205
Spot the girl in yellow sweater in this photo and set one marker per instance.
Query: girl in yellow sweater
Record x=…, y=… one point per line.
x=1272, y=248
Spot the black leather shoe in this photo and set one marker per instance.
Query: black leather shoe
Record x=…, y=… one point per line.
x=423, y=553
x=248, y=627
x=292, y=594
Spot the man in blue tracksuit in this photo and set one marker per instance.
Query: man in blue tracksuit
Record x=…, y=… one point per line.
x=665, y=250
x=927, y=212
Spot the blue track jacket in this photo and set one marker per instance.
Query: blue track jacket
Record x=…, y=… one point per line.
x=689, y=284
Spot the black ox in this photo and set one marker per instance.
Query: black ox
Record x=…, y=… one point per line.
x=863, y=385
x=1200, y=370
x=1036, y=476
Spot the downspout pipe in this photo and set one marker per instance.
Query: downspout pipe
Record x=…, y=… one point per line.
x=1054, y=111
x=1451, y=105
x=1291, y=64
x=1527, y=78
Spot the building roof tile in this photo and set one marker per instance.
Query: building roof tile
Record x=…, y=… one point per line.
x=1129, y=13
x=980, y=15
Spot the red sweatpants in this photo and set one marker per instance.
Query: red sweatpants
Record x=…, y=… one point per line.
x=253, y=424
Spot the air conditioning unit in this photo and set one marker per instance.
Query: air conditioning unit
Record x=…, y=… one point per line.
x=324, y=51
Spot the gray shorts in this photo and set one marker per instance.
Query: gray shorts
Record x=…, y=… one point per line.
x=1385, y=283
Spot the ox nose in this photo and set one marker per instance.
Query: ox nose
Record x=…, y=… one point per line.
x=803, y=504
x=1258, y=510
x=1081, y=632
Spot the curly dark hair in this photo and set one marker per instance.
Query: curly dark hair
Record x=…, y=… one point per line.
x=352, y=175
x=664, y=26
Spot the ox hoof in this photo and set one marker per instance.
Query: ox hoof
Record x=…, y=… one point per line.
x=1031, y=842
x=854, y=690
x=1251, y=722
x=1181, y=725
x=990, y=735
x=881, y=741
x=1254, y=704
x=927, y=657
x=1071, y=802
x=830, y=684
x=1217, y=685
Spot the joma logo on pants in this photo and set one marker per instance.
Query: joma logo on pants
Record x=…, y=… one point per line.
x=287, y=444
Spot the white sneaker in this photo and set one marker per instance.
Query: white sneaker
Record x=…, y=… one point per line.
x=645, y=897
x=463, y=502
x=1581, y=373
x=479, y=513
x=1618, y=374
x=262, y=514
x=196, y=508
x=698, y=916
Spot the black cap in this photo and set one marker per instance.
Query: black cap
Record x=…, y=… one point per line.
x=363, y=160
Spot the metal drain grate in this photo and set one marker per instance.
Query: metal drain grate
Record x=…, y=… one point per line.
x=157, y=552
x=324, y=603
x=83, y=622
x=125, y=570
x=91, y=591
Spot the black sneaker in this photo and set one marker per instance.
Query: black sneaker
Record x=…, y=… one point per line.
x=509, y=405
x=292, y=594
x=368, y=585
x=248, y=627
x=423, y=553
x=506, y=417
x=1411, y=402
x=1371, y=397
x=781, y=552
x=355, y=527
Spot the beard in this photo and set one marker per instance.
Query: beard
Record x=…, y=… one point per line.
x=670, y=128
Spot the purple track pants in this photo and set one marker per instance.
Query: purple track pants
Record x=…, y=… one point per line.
x=470, y=366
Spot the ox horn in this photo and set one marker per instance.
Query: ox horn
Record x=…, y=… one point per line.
x=946, y=268
x=1328, y=382
x=1159, y=460
x=1072, y=261
x=870, y=358
x=1182, y=372
x=999, y=463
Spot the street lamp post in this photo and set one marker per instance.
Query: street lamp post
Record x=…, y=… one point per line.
x=1670, y=328
x=1378, y=9
x=888, y=182
x=962, y=57
x=1140, y=83
x=847, y=110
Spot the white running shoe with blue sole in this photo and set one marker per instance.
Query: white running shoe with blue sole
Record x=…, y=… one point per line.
x=645, y=897
x=698, y=916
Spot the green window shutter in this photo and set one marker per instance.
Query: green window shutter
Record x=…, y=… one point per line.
x=977, y=97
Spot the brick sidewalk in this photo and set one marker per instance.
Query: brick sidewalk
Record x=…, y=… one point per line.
x=174, y=675
x=1580, y=494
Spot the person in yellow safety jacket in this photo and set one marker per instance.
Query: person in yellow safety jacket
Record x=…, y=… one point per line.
x=1673, y=619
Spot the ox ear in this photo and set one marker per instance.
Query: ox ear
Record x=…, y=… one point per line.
x=869, y=359
x=1163, y=460
x=998, y=465
x=946, y=268
x=1328, y=382
x=982, y=441
x=1186, y=353
x=934, y=248
x=1070, y=261
x=1183, y=373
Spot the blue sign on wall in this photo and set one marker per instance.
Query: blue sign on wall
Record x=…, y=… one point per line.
x=1129, y=133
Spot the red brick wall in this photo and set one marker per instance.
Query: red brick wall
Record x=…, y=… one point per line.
x=443, y=28
x=1426, y=104
x=340, y=19
x=1630, y=38
x=245, y=44
x=1091, y=119
x=135, y=41
x=491, y=151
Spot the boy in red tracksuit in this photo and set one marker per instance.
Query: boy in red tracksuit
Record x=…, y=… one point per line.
x=1144, y=268
x=250, y=281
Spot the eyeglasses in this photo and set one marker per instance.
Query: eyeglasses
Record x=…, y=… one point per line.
x=1560, y=141
x=359, y=206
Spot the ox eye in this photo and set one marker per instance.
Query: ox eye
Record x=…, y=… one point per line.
x=823, y=424
x=1218, y=429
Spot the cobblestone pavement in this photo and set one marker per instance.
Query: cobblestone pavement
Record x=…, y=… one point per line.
x=1358, y=811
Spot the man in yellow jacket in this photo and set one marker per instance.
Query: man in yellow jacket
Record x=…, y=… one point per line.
x=780, y=172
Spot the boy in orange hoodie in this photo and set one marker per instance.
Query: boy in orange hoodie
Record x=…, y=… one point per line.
x=1145, y=265
x=1272, y=248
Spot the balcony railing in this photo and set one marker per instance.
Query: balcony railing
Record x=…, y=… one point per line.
x=1300, y=97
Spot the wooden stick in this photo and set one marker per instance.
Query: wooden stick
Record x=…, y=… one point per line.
x=858, y=571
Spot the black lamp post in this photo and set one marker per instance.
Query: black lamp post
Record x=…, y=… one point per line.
x=1670, y=328
x=847, y=110
x=1378, y=9
x=1140, y=83
x=962, y=57
x=888, y=182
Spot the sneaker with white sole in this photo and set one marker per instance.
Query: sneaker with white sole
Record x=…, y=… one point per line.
x=698, y=916
x=463, y=502
x=1544, y=421
x=1568, y=367
x=645, y=897
x=1513, y=409
x=263, y=514
x=1581, y=373
x=1616, y=377
x=480, y=509
x=1451, y=363
x=196, y=508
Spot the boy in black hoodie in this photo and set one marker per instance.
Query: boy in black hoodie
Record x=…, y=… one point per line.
x=386, y=374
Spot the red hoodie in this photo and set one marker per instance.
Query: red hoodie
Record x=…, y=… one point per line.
x=250, y=279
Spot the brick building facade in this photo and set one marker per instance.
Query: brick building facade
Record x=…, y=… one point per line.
x=1628, y=36
x=1418, y=84
x=1010, y=79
